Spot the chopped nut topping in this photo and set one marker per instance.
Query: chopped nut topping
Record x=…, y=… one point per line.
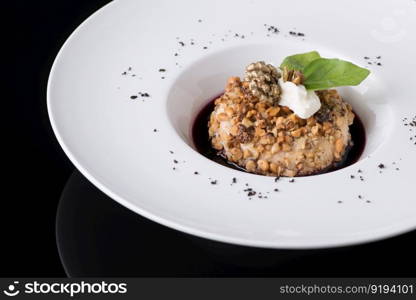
x=294, y=76
x=269, y=139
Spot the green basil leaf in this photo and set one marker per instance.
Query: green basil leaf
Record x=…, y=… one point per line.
x=324, y=73
x=299, y=61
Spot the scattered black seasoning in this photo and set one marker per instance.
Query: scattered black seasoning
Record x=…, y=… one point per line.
x=214, y=182
x=352, y=176
x=176, y=54
x=199, y=20
x=163, y=77
x=294, y=33
x=132, y=97
x=175, y=161
x=196, y=173
x=162, y=70
x=182, y=44
x=248, y=190
x=246, y=184
x=173, y=168
x=192, y=43
x=339, y=202
x=155, y=130
x=360, y=171
x=234, y=180
x=361, y=178
x=292, y=180
x=277, y=179
x=272, y=29
x=124, y=73
x=205, y=47
x=374, y=61
x=368, y=201
x=251, y=193
x=397, y=169
x=129, y=69
x=276, y=190
x=381, y=166
x=360, y=197
x=171, y=152
x=146, y=95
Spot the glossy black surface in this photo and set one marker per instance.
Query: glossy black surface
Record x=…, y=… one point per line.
x=98, y=237
x=34, y=166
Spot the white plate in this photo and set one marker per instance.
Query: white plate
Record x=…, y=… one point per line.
x=110, y=138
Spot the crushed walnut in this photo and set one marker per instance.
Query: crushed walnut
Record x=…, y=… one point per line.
x=265, y=138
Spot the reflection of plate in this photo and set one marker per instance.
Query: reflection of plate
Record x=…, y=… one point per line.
x=123, y=145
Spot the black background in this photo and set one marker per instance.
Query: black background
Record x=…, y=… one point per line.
x=36, y=168
x=37, y=171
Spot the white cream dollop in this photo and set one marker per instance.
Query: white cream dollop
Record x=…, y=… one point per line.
x=302, y=102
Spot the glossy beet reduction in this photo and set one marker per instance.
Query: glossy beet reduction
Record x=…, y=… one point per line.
x=202, y=142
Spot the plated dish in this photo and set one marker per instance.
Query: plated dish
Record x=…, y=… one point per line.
x=286, y=121
x=125, y=92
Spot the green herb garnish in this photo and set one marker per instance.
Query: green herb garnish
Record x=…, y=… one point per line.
x=299, y=61
x=324, y=73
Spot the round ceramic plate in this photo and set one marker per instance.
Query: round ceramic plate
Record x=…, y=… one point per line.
x=127, y=85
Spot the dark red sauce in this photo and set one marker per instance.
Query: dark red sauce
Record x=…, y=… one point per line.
x=203, y=144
